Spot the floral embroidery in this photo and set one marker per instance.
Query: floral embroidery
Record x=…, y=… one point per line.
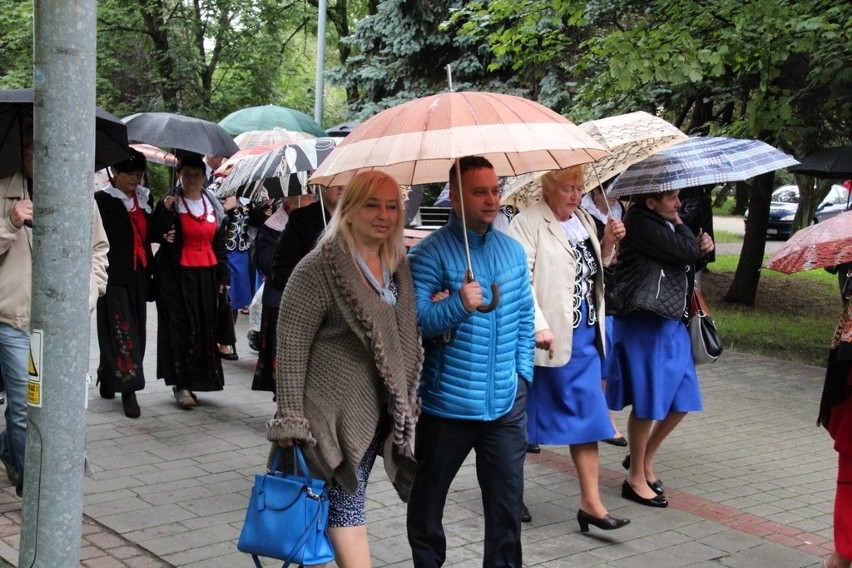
x=125, y=367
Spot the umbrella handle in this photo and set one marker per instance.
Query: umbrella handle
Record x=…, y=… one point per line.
x=495, y=295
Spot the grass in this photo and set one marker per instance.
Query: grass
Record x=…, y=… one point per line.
x=726, y=237
x=793, y=317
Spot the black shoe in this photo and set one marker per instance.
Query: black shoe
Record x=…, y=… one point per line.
x=629, y=493
x=626, y=463
x=106, y=390
x=619, y=441
x=525, y=514
x=608, y=523
x=656, y=486
x=231, y=355
x=533, y=449
x=253, y=340
x=131, y=407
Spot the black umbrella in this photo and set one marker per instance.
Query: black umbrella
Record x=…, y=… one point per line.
x=176, y=131
x=16, y=107
x=342, y=129
x=828, y=163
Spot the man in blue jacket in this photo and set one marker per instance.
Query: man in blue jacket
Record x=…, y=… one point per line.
x=475, y=373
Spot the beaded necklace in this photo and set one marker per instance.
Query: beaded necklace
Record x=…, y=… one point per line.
x=205, y=216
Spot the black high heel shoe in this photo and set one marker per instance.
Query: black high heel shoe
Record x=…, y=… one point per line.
x=629, y=493
x=607, y=523
x=656, y=486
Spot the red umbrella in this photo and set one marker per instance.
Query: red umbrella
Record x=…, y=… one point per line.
x=825, y=244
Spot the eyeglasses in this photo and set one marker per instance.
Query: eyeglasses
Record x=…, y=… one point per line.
x=136, y=174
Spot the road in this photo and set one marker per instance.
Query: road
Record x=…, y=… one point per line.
x=736, y=226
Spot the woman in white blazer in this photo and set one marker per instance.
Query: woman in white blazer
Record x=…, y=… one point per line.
x=565, y=404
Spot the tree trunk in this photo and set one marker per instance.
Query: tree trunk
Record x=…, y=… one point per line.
x=811, y=194
x=741, y=196
x=743, y=288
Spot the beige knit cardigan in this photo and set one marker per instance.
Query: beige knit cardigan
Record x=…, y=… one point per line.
x=346, y=359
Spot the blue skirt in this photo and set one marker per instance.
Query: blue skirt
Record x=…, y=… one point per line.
x=565, y=405
x=240, y=291
x=650, y=367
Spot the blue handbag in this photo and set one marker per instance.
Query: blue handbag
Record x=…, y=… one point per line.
x=287, y=516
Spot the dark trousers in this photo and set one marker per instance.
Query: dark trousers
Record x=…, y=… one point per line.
x=441, y=446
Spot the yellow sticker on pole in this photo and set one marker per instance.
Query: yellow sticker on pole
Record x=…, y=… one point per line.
x=34, y=384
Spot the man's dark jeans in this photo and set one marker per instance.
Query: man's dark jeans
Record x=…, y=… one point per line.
x=441, y=446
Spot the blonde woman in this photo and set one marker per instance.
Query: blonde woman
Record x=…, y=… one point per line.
x=349, y=358
x=565, y=402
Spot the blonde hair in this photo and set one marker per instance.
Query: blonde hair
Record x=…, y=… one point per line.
x=355, y=194
x=550, y=179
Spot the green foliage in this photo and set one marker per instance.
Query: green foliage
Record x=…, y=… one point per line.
x=16, y=46
x=401, y=52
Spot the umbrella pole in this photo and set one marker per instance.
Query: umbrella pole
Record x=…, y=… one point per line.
x=606, y=200
x=463, y=221
x=322, y=211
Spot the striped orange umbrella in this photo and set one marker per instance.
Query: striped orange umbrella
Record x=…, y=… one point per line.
x=417, y=141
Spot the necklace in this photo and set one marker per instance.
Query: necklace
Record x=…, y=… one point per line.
x=205, y=216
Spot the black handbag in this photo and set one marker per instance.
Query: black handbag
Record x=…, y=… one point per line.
x=287, y=516
x=704, y=337
x=224, y=330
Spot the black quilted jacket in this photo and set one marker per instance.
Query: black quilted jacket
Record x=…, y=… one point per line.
x=655, y=270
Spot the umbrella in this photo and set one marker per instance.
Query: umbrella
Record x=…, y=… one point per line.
x=825, y=244
x=296, y=158
x=252, y=138
x=828, y=163
x=342, y=130
x=156, y=155
x=416, y=142
x=270, y=116
x=16, y=106
x=631, y=138
x=700, y=161
x=180, y=132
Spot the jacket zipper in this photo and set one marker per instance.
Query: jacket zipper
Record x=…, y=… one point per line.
x=660, y=283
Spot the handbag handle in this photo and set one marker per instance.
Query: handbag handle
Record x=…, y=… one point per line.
x=298, y=462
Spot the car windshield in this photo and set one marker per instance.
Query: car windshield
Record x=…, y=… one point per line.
x=785, y=195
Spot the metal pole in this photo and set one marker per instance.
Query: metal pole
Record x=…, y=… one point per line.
x=64, y=132
x=320, y=85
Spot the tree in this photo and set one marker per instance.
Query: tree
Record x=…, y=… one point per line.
x=401, y=52
x=772, y=70
x=16, y=45
x=201, y=59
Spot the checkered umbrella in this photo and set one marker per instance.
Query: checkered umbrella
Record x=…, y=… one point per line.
x=700, y=161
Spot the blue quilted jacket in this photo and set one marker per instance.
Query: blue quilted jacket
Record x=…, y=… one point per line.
x=474, y=376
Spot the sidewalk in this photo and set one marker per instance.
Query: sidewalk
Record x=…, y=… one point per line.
x=750, y=480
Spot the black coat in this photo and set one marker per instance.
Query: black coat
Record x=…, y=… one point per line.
x=299, y=237
x=119, y=230
x=656, y=265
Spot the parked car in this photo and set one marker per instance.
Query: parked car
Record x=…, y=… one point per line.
x=838, y=200
x=785, y=202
